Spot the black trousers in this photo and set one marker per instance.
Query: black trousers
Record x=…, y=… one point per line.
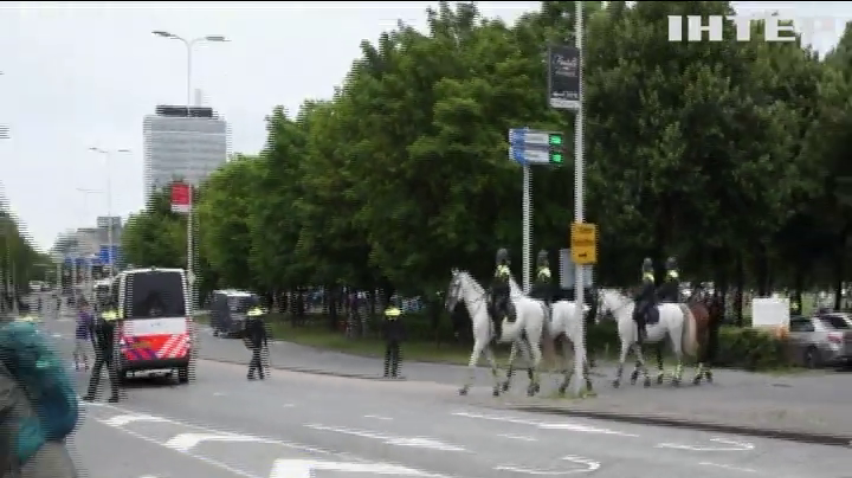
x=103, y=358
x=256, y=362
x=392, y=358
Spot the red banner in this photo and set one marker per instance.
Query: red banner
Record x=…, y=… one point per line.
x=181, y=199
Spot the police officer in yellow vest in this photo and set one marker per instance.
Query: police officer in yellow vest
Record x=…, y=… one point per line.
x=500, y=292
x=645, y=299
x=24, y=314
x=394, y=333
x=542, y=287
x=103, y=336
x=670, y=290
x=256, y=339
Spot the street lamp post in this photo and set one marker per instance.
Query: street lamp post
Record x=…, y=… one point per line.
x=190, y=239
x=110, y=246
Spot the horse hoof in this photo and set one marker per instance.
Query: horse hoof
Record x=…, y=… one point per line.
x=675, y=382
x=537, y=388
x=647, y=382
x=709, y=377
x=496, y=392
x=505, y=387
x=659, y=380
x=696, y=380
x=562, y=389
x=462, y=391
x=616, y=384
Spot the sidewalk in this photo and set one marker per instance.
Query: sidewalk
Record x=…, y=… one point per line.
x=811, y=406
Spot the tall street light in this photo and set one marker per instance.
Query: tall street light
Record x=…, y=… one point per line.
x=108, y=154
x=190, y=252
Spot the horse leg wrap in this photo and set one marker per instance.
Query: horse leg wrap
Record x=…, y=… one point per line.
x=679, y=371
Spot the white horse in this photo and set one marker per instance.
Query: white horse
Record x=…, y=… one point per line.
x=564, y=327
x=675, y=321
x=529, y=323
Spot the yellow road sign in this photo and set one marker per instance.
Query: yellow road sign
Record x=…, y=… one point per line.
x=584, y=243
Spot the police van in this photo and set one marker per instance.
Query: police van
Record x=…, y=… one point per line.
x=156, y=333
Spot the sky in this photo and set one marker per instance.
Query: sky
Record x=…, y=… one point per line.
x=78, y=75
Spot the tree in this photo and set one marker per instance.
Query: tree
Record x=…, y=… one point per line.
x=156, y=236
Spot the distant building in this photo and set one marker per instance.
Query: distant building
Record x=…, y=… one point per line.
x=182, y=143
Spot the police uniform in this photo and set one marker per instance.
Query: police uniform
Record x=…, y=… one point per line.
x=103, y=340
x=256, y=339
x=542, y=287
x=646, y=298
x=670, y=290
x=394, y=333
x=500, y=291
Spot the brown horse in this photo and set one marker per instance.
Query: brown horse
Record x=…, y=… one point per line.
x=700, y=307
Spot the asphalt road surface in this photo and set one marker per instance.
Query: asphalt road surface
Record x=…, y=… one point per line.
x=298, y=425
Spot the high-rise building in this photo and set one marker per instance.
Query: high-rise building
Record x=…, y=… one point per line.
x=183, y=143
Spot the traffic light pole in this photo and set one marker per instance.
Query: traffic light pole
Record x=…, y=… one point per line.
x=526, y=220
x=579, y=206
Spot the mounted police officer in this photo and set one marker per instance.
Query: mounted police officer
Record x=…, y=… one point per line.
x=670, y=290
x=645, y=299
x=103, y=338
x=394, y=334
x=542, y=286
x=256, y=339
x=501, y=291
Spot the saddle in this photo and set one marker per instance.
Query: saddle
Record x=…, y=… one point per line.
x=652, y=314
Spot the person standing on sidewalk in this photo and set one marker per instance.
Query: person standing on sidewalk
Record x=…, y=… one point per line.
x=256, y=339
x=394, y=334
x=103, y=339
x=85, y=324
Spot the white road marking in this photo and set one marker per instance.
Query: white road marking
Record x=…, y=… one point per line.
x=417, y=442
x=516, y=437
x=590, y=465
x=315, y=464
x=545, y=425
x=728, y=467
x=219, y=394
x=306, y=468
x=732, y=445
x=187, y=441
x=121, y=420
x=378, y=417
x=288, y=405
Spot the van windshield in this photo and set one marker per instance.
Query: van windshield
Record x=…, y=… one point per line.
x=155, y=294
x=239, y=303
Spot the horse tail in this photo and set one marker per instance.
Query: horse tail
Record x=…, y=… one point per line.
x=689, y=342
x=547, y=347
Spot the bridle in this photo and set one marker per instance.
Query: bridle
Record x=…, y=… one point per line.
x=456, y=288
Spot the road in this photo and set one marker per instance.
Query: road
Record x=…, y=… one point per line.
x=293, y=424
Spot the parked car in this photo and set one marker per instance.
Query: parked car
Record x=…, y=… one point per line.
x=228, y=311
x=822, y=340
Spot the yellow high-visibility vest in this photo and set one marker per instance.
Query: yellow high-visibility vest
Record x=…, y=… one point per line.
x=392, y=313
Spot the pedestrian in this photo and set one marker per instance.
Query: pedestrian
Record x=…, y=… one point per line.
x=102, y=335
x=394, y=334
x=256, y=339
x=85, y=323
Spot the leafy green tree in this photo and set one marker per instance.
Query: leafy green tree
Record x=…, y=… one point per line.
x=156, y=236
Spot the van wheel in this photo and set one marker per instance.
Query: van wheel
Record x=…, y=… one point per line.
x=183, y=375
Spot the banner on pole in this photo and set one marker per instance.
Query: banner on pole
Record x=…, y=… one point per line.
x=563, y=77
x=181, y=201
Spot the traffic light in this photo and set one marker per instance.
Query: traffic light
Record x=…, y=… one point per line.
x=557, y=148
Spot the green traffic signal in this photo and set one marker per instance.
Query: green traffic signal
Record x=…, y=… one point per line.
x=556, y=158
x=556, y=139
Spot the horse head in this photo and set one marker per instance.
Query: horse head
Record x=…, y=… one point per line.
x=453, y=290
x=612, y=301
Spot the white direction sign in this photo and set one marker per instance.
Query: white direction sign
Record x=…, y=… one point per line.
x=307, y=468
x=530, y=146
x=417, y=442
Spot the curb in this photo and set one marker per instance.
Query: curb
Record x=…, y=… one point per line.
x=814, y=438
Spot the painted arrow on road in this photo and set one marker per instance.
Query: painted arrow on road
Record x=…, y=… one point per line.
x=729, y=445
x=417, y=442
x=187, y=441
x=306, y=469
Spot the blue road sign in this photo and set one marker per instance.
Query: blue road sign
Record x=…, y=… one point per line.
x=104, y=255
x=529, y=146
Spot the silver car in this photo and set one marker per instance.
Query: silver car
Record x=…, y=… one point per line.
x=822, y=340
